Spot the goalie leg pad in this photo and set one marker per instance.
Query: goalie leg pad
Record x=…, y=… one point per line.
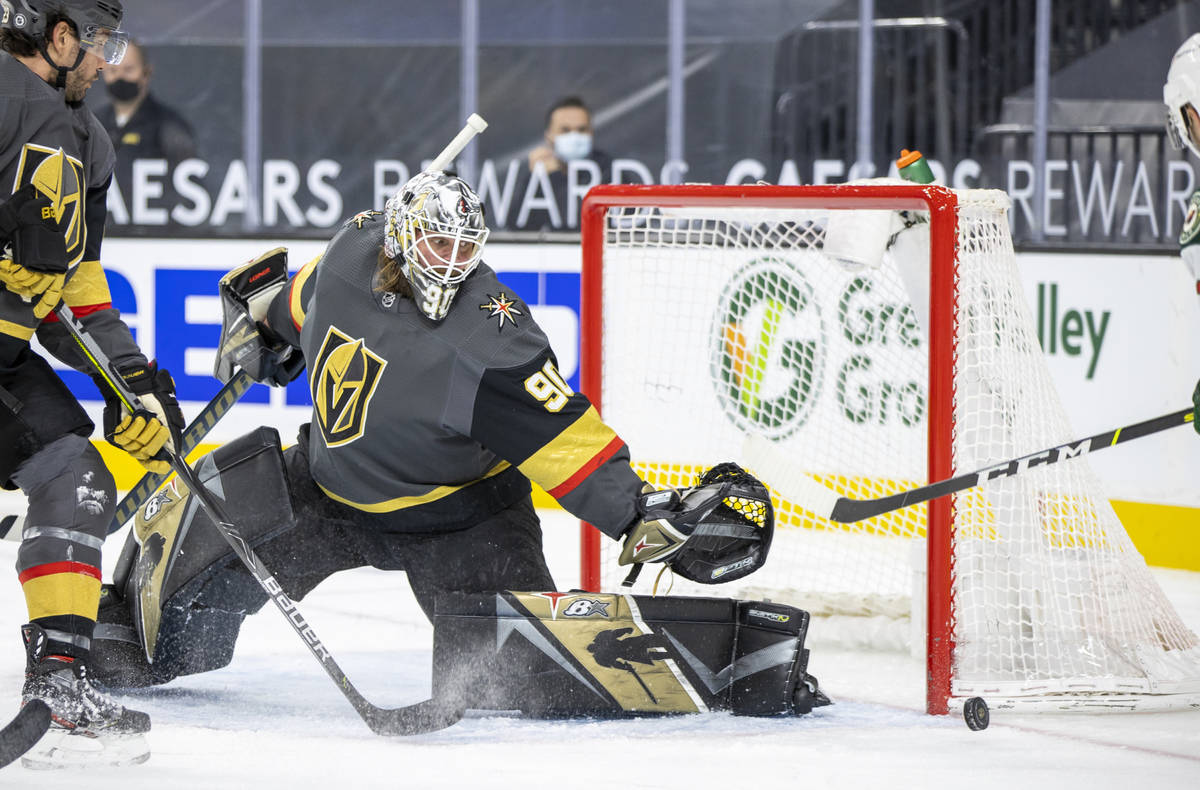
x=553, y=654
x=181, y=607
x=770, y=663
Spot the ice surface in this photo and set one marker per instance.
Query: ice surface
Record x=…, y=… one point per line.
x=273, y=719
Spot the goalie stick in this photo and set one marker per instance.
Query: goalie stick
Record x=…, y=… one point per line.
x=760, y=454
x=195, y=432
x=24, y=731
x=11, y=525
x=426, y=716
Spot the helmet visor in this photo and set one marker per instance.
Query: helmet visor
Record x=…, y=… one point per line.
x=105, y=43
x=1174, y=122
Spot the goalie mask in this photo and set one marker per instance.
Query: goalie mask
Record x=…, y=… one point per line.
x=1181, y=90
x=733, y=537
x=435, y=229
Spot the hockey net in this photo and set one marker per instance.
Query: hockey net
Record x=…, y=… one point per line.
x=712, y=314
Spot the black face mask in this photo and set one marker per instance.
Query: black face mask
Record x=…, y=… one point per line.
x=123, y=90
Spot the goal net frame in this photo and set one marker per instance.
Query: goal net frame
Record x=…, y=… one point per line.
x=941, y=207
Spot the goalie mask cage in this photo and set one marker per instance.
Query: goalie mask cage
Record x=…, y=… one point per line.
x=714, y=313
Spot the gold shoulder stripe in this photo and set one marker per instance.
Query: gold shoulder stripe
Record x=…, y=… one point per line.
x=573, y=450
x=295, y=299
x=86, y=286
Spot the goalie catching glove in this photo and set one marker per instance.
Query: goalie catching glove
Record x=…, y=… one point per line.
x=246, y=293
x=38, y=266
x=145, y=432
x=717, y=532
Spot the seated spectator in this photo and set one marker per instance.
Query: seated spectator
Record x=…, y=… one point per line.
x=141, y=127
x=567, y=138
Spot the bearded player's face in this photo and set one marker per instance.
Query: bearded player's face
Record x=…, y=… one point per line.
x=81, y=78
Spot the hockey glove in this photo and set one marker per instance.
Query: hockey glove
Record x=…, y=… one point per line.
x=246, y=342
x=719, y=531
x=659, y=530
x=38, y=266
x=1196, y=413
x=146, y=432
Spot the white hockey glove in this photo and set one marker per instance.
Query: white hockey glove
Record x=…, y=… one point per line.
x=246, y=294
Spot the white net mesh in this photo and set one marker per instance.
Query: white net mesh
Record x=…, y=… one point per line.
x=720, y=323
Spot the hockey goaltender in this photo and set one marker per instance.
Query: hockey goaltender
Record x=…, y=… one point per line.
x=436, y=400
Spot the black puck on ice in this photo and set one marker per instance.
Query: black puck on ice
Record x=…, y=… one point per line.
x=975, y=713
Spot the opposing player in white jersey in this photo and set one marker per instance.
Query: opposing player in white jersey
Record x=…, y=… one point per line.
x=1182, y=96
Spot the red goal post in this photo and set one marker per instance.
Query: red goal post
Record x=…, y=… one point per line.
x=1026, y=592
x=940, y=203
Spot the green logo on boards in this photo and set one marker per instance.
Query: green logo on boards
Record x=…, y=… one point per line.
x=766, y=348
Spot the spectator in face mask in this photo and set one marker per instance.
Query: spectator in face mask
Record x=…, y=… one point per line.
x=141, y=127
x=567, y=138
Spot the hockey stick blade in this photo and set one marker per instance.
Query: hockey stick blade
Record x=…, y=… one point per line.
x=423, y=717
x=770, y=463
x=193, y=434
x=24, y=731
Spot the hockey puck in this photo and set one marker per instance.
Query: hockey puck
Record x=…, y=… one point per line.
x=975, y=713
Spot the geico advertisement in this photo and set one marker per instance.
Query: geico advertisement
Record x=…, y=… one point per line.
x=1121, y=336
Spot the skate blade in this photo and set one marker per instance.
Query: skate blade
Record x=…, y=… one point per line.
x=61, y=748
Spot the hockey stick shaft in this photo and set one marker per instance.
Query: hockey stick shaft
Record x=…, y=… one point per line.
x=816, y=498
x=474, y=126
x=195, y=432
x=197, y=429
x=24, y=731
x=411, y=720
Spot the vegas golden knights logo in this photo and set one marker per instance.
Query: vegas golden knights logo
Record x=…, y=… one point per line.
x=59, y=177
x=344, y=378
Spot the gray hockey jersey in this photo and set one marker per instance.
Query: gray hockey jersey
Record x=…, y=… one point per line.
x=64, y=151
x=430, y=425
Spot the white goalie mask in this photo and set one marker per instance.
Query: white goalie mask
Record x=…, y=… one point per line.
x=435, y=229
x=1181, y=89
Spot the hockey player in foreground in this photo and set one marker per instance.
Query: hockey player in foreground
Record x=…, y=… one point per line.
x=1181, y=93
x=59, y=161
x=436, y=399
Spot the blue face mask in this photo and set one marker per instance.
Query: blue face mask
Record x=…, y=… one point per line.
x=573, y=145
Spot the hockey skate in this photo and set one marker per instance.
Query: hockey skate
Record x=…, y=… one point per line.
x=87, y=727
